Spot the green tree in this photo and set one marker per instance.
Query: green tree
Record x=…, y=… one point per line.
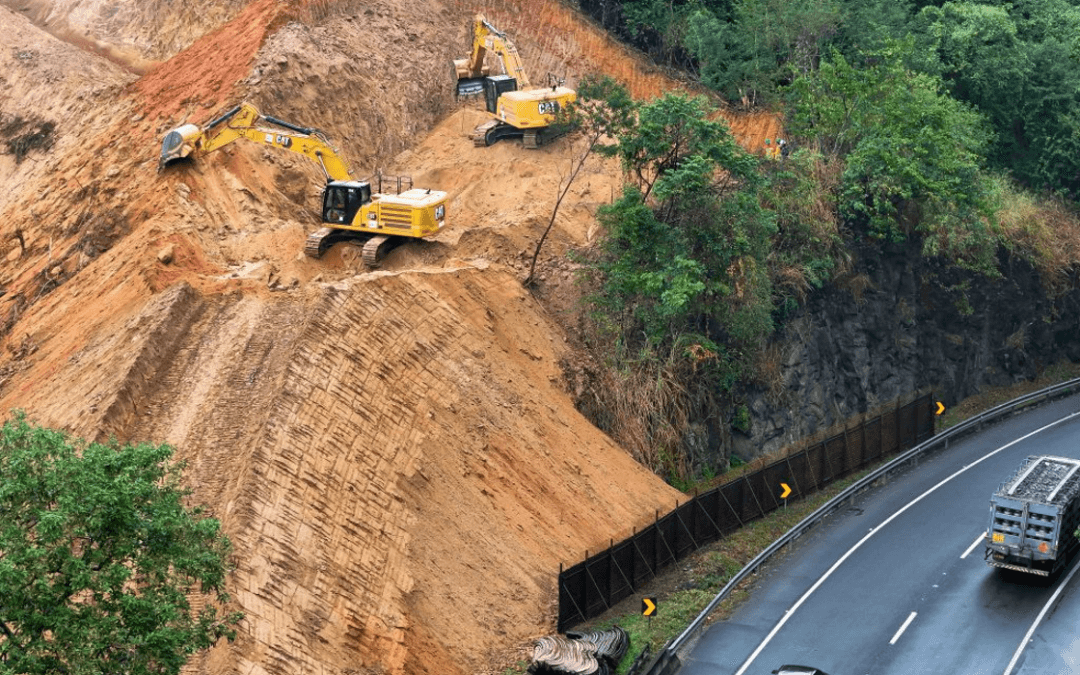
x=685, y=245
x=911, y=154
x=747, y=56
x=866, y=25
x=99, y=557
x=1017, y=63
x=603, y=109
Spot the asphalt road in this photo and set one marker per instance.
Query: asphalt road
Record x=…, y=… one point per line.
x=896, y=584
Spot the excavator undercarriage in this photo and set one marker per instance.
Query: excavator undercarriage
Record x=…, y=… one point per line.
x=373, y=247
x=493, y=131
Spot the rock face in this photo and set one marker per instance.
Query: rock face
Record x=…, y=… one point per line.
x=891, y=328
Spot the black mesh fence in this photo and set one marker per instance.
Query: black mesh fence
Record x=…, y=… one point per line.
x=594, y=585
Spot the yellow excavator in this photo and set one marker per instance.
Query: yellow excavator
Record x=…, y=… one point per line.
x=517, y=109
x=349, y=208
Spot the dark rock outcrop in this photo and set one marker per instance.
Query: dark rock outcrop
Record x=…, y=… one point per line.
x=901, y=323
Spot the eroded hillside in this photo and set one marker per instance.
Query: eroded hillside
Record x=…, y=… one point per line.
x=393, y=452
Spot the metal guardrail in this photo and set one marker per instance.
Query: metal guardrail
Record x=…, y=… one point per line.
x=667, y=661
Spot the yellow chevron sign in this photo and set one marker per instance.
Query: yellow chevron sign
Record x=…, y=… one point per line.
x=940, y=407
x=786, y=492
x=648, y=606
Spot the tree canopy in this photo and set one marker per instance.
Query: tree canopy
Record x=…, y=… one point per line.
x=1017, y=63
x=100, y=558
x=912, y=154
x=685, y=246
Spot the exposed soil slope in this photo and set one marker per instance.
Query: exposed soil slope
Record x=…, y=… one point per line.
x=393, y=452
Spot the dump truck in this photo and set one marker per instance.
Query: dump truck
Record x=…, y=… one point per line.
x=1034, y=516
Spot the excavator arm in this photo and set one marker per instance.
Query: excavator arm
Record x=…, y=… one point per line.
x=245, y=121
x=470, y=71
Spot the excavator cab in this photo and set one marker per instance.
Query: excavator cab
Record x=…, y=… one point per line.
x=342, y=199
x=494, y=87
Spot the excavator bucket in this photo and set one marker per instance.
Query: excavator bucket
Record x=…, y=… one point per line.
x=470, y=86
x=469, y=82
x=178, y=144
x=184, y=139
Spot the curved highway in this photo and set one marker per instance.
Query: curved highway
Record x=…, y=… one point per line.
x=896, y=584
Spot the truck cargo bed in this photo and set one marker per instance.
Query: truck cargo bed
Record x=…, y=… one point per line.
x=1047, y=480
x=1034, y=515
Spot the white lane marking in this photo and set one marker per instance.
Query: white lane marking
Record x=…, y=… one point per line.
x=973, y=545
x=828, y=573
x=1038, y=620
x=903, y=627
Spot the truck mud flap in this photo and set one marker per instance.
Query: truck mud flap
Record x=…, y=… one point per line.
x=1019, y=568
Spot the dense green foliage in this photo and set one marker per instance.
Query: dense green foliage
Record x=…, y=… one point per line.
x=911, y=153
x=951, y=125
x=686, y=244
x=1015, y=63
x=99, y=556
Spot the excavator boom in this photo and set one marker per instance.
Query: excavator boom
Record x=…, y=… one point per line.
x=517, y=109
x=470, y=72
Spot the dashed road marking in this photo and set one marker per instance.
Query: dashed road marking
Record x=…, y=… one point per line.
x=903, y=627
x=840, y=561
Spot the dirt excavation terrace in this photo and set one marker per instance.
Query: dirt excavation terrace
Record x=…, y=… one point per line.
x=393, y=453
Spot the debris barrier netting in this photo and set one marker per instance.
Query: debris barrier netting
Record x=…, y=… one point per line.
x=592, y=586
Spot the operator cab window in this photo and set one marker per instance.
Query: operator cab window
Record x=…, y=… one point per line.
x=342, y=199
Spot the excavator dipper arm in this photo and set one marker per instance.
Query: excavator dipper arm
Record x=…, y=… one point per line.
x=350, y=210
x=243, y=121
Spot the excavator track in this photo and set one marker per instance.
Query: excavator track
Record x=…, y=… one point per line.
x=480, y=133
x=374, y=249
x=493, y=131
x=531, y=139
x=321, y=240
x=316, y=244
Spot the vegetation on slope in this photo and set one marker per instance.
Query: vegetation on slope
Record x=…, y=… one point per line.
x=1014, y=62
x=909, y=120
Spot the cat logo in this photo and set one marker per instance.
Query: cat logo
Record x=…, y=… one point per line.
x=548, y=107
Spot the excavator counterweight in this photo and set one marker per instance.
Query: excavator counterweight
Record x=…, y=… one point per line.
x=350, y=210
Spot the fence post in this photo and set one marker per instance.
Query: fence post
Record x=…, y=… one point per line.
x=792, y=472
x=896, y=423
x=735, y=513
x=656, y=543
x=708, y=516
x=610, y=555
x=828, y=463
x=689, y=532
x=659, y=532
x=810, y=468
x=761, y=511
x=585, y=584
